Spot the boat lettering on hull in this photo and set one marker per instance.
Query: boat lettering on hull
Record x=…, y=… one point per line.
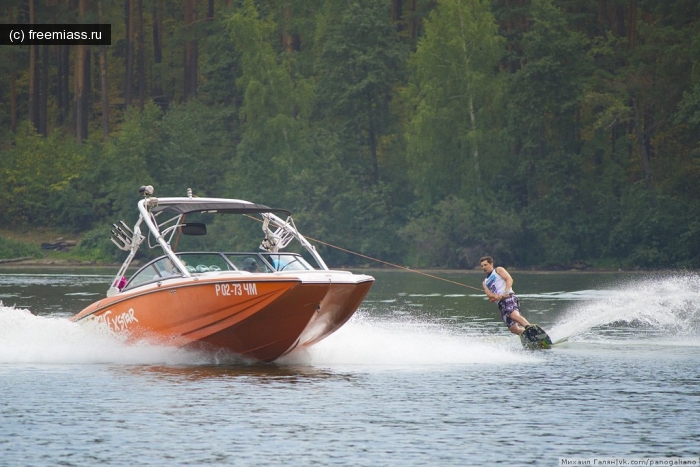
x=227, y=290
x=119, y=323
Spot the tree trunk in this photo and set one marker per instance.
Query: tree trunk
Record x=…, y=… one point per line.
x=632, y=28
x=63, y=80
x=287, y=38
x=78, y=91
x=475, y=152
x=157, y=47
x=44, y=91
x=140, y=56
x=104, y=91
x=87, y=90
x=13, y=101
x=397, y=14
x=13, y=81
x=81, y=82
x=33, y=74
x=129, y=77
x=81, y=90
x=190, y=69
x=59, y=83
x=104, y=96
x=414, y=22
x=642, y=147
x=371, y=130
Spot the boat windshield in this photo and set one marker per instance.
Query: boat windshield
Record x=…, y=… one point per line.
x=204, y=262
x=251, y=262
x=269, y=262
x=287, y=262
x=162, y=268
x=158, y=270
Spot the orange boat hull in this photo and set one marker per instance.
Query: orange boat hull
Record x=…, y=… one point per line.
x=339, y=304
x=261, y=319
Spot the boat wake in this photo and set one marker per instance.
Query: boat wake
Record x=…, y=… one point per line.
x=387, y=343
x=363, y=342
x=658, y=308
x=26, y=338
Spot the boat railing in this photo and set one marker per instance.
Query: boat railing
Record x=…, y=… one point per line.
x=278, y=233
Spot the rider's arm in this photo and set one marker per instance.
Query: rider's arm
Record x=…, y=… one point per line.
x=492, y=296
x=506, y=277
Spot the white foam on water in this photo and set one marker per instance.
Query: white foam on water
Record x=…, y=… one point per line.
x=367, y=341
x=668, y=307
x=26, y=338
x=573, y=295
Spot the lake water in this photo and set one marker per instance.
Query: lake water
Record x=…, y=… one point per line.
x=424, y=374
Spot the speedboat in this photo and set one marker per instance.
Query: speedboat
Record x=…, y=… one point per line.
x=259, y=304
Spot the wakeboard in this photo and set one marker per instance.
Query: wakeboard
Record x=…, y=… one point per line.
x=534, y=337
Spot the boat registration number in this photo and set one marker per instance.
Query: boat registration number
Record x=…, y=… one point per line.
x=226, y=290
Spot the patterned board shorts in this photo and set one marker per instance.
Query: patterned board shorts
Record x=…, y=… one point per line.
x=507, y=306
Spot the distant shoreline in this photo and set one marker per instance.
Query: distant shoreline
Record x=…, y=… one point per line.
x=53, y=264
x=43, y=263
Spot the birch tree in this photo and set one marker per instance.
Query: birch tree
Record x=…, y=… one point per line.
x=453, y=83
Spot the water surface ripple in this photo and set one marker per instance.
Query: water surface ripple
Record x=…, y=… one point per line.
x=423, y=375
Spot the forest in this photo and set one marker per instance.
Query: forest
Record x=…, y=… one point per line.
x=428, y=133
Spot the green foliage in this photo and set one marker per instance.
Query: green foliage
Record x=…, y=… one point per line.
x=689, y=107
x=192, y=150
x=367, y=225
x=274, y=111
x=129, y=159
x=656, y=231
x=542, y=133
x=453, y=84
x=40, y=177
x=547, y=90
x=184, y=148
x=456, y=233
x=220, y=67
x=97, y=246
x=10, y=249
x=361, y=59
